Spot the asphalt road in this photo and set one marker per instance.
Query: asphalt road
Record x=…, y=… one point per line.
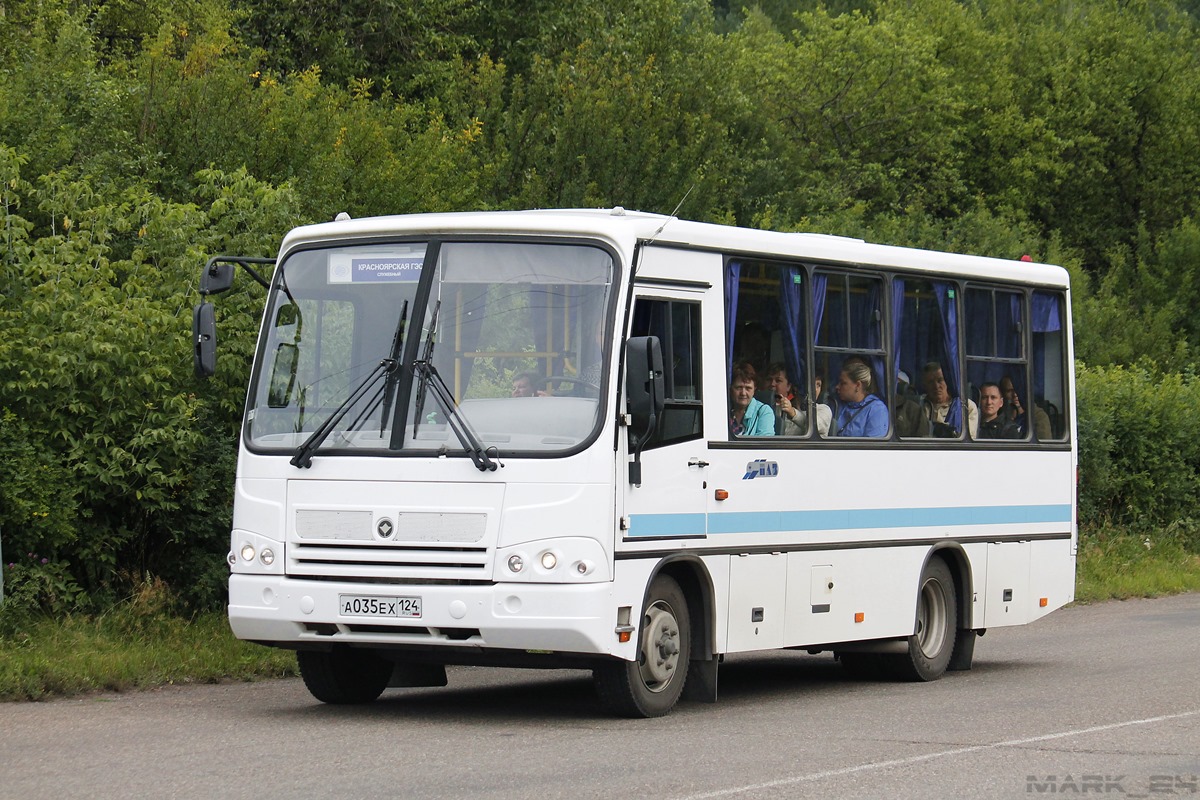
x=1100, y=701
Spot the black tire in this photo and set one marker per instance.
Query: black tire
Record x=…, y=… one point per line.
x=343, y=676
x=650, y=686
x=932, y=643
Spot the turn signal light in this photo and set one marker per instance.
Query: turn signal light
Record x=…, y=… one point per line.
x=1045, y=601
x=859, y=616
x=623, y=636
x=721, y=494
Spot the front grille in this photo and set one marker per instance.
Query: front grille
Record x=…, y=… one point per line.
x=391, y=562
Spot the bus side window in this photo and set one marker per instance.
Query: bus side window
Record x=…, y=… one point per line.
x=767, y=329
x=1050, y=402
x=848, y=329
x=995, y=329
x=676, y=323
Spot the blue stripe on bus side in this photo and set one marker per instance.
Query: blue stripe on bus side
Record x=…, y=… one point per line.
x=840, y=519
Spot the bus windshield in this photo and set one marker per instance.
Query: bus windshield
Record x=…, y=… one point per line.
x=504, y=355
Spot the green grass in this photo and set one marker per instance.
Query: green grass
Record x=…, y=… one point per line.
x=125, y=650
x=141, y=644
x=1114, y=565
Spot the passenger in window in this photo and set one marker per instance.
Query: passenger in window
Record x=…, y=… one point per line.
x=526, y=384
x=748, y=417
x=944, y=412
x=862, y=412
x=791, y=413
x=1015, y=412
x=993, y=424
x=823, y=411
x=790, y=420
x=907, y=409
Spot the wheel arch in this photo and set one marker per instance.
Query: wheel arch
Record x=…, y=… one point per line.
x=960, y=569
x=696, y=584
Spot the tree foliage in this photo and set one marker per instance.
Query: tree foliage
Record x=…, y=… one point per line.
x=137, y=139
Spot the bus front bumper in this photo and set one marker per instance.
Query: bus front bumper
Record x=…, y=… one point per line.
x=293, y=612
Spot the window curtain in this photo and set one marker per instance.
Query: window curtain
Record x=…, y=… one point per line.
x=898, y=317
x=820, y=283
x=1045, y=318
x=791, y=300
x=949, y=311
x=733, y=276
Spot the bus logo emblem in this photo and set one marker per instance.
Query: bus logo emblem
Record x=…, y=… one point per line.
x=761, y=468
x=385, y=528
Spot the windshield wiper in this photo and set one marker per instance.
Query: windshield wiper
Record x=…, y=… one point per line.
x=389, y=367
x=426, y=357
x=304, y=453
x=430, y=379
x=428, y=376
x=389, y=388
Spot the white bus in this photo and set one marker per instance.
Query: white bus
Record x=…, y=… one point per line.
x=509, y=438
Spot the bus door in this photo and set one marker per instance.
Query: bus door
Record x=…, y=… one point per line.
x=670, y=501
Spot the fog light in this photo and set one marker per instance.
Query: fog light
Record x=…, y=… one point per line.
x=549, y=560
x=516, y=563
x=231, y=558
x=267, y=556
x=248, y=552
x=583, y=567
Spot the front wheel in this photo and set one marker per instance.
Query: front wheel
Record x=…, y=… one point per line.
x=651, y=685
x=932, y=643
x=343, y=676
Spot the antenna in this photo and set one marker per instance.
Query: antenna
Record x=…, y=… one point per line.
x=654, y=235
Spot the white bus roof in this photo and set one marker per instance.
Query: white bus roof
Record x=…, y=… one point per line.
x=626, y=228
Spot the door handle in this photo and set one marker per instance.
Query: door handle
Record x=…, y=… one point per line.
x=696, y=462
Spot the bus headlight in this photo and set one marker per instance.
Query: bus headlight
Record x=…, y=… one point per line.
x=569, y=559
x=254, y=554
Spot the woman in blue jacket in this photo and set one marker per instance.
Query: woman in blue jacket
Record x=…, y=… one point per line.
x=862, y=413
x=748, y=416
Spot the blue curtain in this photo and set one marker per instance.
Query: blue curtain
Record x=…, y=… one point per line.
x=1045, y=313
x=1045, y=318
x=791, y=299
x=949, y=311
x=898, y=317
x=733, y=275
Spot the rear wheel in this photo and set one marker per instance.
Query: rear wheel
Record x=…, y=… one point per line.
x=930, y=646
x=650, y=686
x=343, y=676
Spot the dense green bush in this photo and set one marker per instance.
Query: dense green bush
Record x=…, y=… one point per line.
x=1139, y=448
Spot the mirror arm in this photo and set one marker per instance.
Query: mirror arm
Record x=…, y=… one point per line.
x=210, y=271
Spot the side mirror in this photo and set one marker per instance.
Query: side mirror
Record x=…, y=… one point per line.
x=204, y=340
x=646, y=394
x=217, y=277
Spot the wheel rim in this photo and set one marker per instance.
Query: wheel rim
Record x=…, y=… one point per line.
x=931, y=618
x=660, y=647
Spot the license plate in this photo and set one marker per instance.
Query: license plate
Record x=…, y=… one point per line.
x=358, y=605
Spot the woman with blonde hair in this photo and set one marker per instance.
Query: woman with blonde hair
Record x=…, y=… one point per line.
x=862, y=413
